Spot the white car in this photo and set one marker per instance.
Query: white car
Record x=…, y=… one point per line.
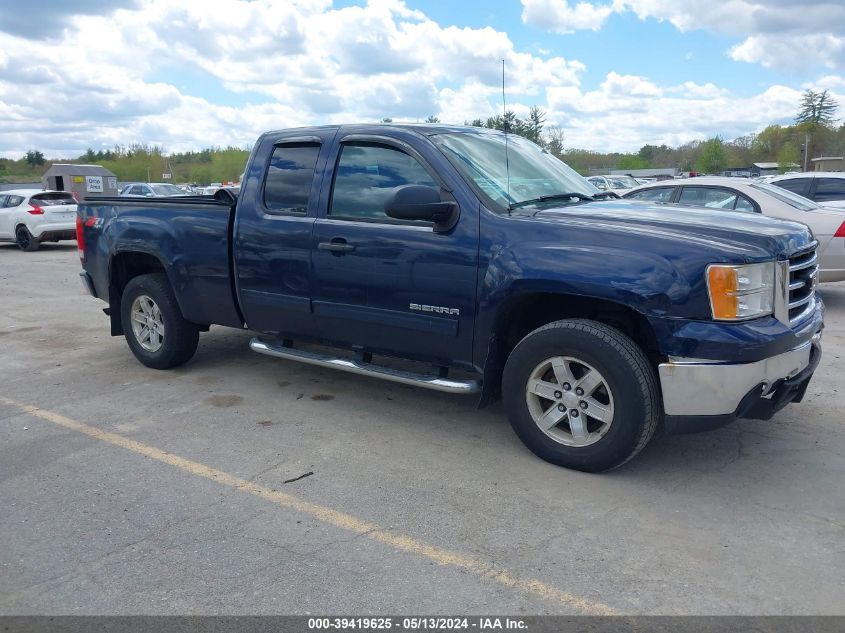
x=742, y=195
x=31, y=216
x=618, y=184
x=152, y=189
x=826, y=188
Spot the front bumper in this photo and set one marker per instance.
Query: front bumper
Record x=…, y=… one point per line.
x=704, y=394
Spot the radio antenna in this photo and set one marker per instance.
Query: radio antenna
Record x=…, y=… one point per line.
x=505, y=128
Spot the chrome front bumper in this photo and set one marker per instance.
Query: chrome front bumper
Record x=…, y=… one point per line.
x=699, y=388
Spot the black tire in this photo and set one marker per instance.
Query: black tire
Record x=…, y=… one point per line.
x=180, y=338
x=25, y=240
x=628, y=376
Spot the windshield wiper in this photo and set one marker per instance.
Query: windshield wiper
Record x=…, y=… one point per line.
x=554, y=196
x=609, y=194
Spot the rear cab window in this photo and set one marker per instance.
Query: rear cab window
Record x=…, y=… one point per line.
x=290, y=175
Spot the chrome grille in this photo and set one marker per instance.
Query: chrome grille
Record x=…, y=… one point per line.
x=801, y=285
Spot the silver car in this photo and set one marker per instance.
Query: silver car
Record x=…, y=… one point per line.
x=748, y=196
x=152, y=189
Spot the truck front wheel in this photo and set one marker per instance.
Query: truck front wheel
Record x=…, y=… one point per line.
x=153, y=324
x=581, y=394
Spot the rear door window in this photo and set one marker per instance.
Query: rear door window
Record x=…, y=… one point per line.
x=829, y=189
x=795, y=185
x=657, y=194
x=13, y=201
x=744, y=204
x=290, y=175
x=712, y=197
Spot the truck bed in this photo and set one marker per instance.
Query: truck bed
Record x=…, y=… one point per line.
x=190, y=236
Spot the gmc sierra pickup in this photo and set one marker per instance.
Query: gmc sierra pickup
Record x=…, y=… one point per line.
x=490, y=264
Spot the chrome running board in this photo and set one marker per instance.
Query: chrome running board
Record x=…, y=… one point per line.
x=366, y=369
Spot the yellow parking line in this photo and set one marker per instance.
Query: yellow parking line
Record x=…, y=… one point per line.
x=328, y=515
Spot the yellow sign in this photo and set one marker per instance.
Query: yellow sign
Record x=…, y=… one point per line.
x=78, y=179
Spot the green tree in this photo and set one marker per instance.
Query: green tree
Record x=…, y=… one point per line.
x=432, y=119
x=533, y=129
x=817, y=108
x=553, y=140
x=711, y=158
x=631, y=161
x=386, y=119
x=788, y=156
x=34, y=158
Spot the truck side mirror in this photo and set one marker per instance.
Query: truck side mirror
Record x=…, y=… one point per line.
x=419, y=202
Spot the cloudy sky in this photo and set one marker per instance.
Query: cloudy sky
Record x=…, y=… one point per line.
x=614, y=74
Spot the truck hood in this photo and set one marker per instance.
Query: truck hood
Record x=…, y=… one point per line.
x=742, y=237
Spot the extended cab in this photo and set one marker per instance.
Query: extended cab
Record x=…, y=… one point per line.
x=488, y=262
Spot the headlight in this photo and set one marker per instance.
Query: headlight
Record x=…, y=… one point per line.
x=741, y=292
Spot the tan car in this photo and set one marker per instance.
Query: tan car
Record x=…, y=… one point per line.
x=747, y=196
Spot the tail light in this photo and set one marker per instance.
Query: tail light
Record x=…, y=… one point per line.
x=80, y=238
x=840, y=232
x=34, y=209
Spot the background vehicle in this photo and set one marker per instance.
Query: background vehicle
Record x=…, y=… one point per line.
x=31, y=216
x=828, y=225
x=211, y=189
x=619, y=184
x=826, y=188
x=595, y=320
x=151, y=189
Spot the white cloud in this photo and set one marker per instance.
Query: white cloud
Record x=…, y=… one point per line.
x=562, y=17
x=774, y=33
x=103, y=79
x=625, y=112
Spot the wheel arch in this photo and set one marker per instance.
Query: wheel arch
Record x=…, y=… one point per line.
x=523, y=314
x=123, y=267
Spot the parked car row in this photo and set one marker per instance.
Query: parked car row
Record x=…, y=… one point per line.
x=737, y=194
x=825, y=188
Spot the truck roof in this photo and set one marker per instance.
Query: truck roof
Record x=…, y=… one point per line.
x=426, y=129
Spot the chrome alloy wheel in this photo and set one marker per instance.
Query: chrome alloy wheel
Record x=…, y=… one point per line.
x=570, y=401
x=147, y=323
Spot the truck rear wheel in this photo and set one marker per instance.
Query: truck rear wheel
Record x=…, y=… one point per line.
x=153, y=324
x=581, y=394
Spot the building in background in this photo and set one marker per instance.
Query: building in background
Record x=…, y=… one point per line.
x=828, y=163
x=84, y=181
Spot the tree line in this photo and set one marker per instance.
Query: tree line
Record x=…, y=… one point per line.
x=814, y=132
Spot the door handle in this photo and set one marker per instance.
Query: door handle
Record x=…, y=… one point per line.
x=336, y=247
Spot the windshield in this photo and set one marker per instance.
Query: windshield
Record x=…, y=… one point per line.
x=622, y=182
x=792, y=199
x=167, y=190
x=534, y=172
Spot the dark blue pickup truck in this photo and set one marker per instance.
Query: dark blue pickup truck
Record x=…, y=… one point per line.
x=470, y=261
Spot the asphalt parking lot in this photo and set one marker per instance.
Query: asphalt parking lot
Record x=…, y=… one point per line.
x=126, y=490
